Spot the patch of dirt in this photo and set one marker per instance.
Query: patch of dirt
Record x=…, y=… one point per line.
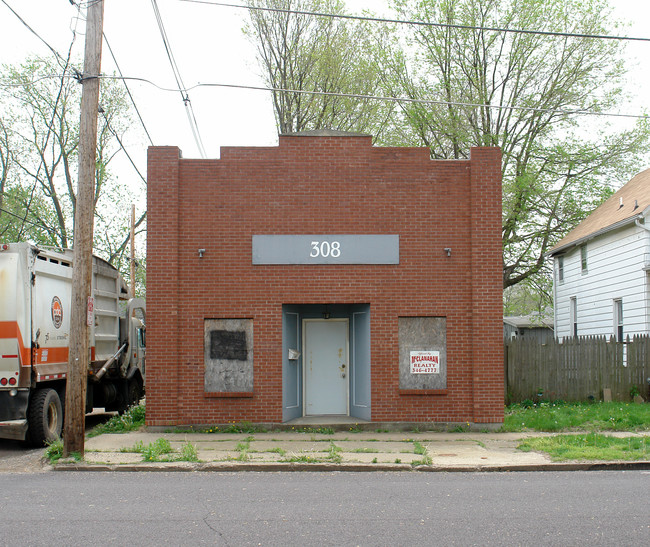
x=17, y=457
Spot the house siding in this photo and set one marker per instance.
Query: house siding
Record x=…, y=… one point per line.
x=615, y=264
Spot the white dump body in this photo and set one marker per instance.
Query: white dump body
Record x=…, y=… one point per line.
x=35, y=302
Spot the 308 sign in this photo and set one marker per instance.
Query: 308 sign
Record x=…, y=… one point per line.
x=316, y=249
x=325, y=249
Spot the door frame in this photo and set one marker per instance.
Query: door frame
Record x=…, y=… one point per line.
x=347, y=364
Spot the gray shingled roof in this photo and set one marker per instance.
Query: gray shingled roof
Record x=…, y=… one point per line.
x=622, y=208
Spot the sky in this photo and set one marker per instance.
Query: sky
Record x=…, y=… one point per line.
x=209, y=47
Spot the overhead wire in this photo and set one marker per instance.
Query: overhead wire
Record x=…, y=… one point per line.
x=368, y=97
x=110, y=49
x=58, y=56
x=62, y=77
x=388, y=98
x=66, y=64
x=108, y=253
x=114, y=133
x=179, y=82
x=374, y=19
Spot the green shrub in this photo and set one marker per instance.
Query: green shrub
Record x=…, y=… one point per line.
x=131, y=420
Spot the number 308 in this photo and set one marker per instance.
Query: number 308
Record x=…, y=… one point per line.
x=325, y=249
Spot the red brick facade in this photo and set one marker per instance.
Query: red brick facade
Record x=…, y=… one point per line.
x=323, y=185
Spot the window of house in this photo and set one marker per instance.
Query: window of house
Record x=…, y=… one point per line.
x=573, y=316
x=560, y=268
x=618, y=319
x=583, y=258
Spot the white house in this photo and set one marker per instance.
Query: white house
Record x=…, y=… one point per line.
x=601, y=268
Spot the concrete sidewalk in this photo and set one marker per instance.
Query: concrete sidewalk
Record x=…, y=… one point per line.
x=311, y=450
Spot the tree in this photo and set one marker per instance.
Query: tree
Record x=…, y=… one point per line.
x=308, y=53
x=524, y=92
x=38, y=146
x=6, y=160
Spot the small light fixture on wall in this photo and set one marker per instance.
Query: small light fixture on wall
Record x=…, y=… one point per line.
x=326, y=312
x=448, y=251
x=201, y=253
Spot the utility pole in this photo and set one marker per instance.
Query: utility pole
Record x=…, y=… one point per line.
x=132, y=250
x=79, y=356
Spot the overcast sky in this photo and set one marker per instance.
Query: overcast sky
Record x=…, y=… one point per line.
x=209, y=47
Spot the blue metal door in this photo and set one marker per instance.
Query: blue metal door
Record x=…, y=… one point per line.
x=360, y=366
x=291, y=364
x=326, y=366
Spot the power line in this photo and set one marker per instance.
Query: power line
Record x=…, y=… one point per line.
x=419, y=23
x=42, y=226
x=122, y=146
x=54, y=51
x=54, y=110
x=110, y=49
x=179, y=82
x=393, y=99
x=373, y=97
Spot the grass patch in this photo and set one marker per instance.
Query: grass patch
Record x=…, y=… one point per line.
x=161, y=451
x=245, y=444
x=240, y=427
x=418, y=448
x=365, y=450
x=592, y=446
x=244, y=448
x=188, y=453
x=422, y=451
x=317, y=430
x=334, y=453
x=54, y=451
x=560, y=416
x=131, y=420
x=302, y=458
x=234, y=427
x=155, y=450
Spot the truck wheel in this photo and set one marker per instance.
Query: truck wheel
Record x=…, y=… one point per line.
x=134, y=393
x=45, y=417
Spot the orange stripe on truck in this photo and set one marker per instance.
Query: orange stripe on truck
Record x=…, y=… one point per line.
x=11, y=330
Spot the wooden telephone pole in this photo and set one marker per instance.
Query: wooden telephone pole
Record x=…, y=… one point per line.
x=132, y=250
x=79, y=356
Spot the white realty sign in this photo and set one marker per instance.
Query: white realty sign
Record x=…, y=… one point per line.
x=425, y=362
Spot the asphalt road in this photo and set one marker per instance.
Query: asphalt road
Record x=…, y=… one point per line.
x=19, y=457
x=247, y=508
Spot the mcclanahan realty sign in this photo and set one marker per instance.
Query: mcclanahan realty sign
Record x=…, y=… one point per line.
x=425, y=362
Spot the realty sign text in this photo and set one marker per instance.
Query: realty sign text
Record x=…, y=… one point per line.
x=425, y=362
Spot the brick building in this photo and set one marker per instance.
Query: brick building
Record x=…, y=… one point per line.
x=321, y=277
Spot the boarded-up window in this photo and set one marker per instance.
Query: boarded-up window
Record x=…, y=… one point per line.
x=227, y=344
x=422, y=352
x=228, y=354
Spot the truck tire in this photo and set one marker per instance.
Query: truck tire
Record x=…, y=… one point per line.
x=135, y=393
x=45, y=417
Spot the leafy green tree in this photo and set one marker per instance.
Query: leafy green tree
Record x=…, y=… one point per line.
x=307, y=53
x=39, y=137
x=524, y=92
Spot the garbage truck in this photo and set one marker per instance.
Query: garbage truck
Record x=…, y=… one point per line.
x=35, y=308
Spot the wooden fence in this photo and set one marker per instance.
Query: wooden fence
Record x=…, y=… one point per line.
x=577, y=369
